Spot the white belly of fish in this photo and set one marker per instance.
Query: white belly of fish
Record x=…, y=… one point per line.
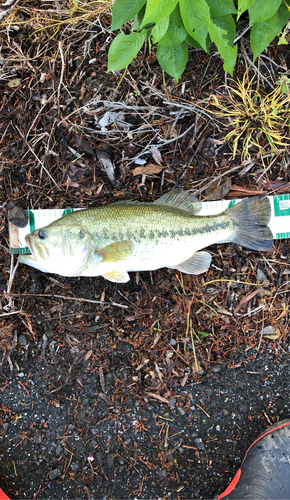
x=154, y=255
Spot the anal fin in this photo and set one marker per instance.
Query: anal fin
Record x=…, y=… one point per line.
x=197, y=264
x=117, y=276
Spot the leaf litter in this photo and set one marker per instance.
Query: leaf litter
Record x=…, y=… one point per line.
x=156, y=387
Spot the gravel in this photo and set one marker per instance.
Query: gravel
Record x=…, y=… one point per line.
x=71, y=441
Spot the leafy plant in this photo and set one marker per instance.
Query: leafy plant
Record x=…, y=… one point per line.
x=284, y=83
x=176, y=24
x=254, y=119
x=204, y=334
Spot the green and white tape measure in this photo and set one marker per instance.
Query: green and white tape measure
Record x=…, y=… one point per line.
x=279, y=223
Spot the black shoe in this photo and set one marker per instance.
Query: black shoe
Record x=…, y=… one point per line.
x=265, y=470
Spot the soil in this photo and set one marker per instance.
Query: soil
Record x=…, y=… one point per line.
x=154, y=388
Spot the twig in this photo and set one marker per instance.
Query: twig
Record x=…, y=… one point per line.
x=62, y=68
x=39, y=112
x=242, y=34
x=199, y=191
x=35, y=155
x=263, y=56
x=12, y=312
x=257, y=70
x=4, y=248
x=58, y=8
x=77, y=299
x=190, y=107
x=10, y=282
x=106, y=104
x=266, y=170
x=182, y=109
x=6, y=8
x=261, y=335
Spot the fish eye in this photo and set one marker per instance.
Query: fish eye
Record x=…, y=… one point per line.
x=42, y=234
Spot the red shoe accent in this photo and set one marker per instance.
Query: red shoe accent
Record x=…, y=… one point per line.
x=3, y=496
x=231, y=486
x=270, y=429
x=235, y=481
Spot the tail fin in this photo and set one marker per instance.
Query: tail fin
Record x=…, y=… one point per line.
x=251, y=218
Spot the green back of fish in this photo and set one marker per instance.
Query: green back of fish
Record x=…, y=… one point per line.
x=146, y=222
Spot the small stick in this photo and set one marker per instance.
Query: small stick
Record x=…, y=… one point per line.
x=34, y=154
x=257, y=70
x=10, y=282
x=78, y=299
x=62, y=69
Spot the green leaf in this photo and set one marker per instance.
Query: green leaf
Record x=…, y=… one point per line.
x=124, y=48
x=243, y=5
x=196, y=19
x=203, y=334
x=157, y=10
x=221, y=7
x=283, y=16
x=228, y=53
x=160, y=29
x=262, y=35
x=138, y=19
x=283, y=40
x=173, y=59
x=227, y=24
x=176, y=32
x=123, y=11
x=261, y=10
x=194, y=43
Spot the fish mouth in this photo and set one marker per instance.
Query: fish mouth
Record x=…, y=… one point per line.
x=38, y=251
x=29, y=244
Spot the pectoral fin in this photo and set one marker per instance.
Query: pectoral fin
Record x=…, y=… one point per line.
x=121, y=250
x=117, y=276
x=116, y=252
x=197, y=264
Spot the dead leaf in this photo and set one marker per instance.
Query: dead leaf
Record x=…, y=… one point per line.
x=196, y=368
x=149, y=169
x=106, y=163
x=109, y=118
x=273, y=336
x=267, y=330
x=14, y=83
x=102, y=378
x=88, y=355
x=270, y=333
x=144, y=362
x=156, y=154
x=6, y=336
x=156, y=396
x=218, y=189
x=246, y=299
x=184, y=380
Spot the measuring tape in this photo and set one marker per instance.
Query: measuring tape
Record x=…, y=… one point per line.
x=279, y=222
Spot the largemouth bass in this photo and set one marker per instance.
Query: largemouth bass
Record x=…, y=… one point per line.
x=125, y=236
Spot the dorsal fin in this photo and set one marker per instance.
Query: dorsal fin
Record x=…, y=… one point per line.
x=180, y=199
x=127, y=202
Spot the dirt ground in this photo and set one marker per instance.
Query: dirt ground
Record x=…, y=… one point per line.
x=154, y=388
